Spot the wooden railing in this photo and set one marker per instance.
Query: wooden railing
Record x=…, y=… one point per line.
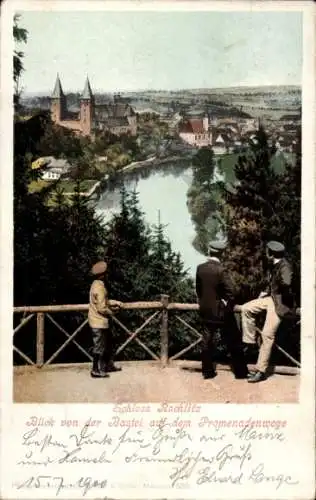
x=161, y=308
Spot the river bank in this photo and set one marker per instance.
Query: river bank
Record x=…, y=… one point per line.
x=152, y=161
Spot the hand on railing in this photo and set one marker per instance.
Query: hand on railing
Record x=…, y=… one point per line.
x=115, y=306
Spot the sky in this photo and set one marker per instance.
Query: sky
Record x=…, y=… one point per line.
x=126, y=51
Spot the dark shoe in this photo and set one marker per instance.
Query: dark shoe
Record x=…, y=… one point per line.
x=97, y=371
x=256, y=377
x=209, y=375
x=110, y=367
x=98, y=374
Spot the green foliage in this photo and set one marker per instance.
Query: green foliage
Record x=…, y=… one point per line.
x=204, y=199
x=51, y=245
x=55, y=247
x=288, y=208
x=203, y=166
x=263, y=202
x=20, y=36
x=152, y=134
x=142, y=266
x=226, y=165
x=259, y=209
x=60, y=142
x=102, y=141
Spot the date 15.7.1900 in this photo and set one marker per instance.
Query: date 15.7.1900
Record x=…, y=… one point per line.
x=84, y=484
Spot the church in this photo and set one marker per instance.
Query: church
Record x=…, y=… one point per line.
x=116, y=117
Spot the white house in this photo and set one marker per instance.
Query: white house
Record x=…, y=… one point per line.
x=54, y=168
x=52, y=174
x=219, y=144
x=222, y=142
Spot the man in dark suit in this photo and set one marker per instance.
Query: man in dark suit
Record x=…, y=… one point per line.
x=276, y=301
x=216, y=300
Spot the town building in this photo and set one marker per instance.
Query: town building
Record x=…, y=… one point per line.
x=222, y=143
x=117, y=117
x=52, y=168
x=224, y=135
x=196, y=131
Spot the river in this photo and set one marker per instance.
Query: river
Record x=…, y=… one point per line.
x=162, y=193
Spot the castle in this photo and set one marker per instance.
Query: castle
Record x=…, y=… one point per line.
x=117, y=117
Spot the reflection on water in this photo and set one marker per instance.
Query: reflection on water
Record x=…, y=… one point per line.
x=163, y=191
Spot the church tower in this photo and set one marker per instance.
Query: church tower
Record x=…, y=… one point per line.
x=86, y=109
x=58, y=102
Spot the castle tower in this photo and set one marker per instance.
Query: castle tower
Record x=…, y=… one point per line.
x=58, y=102
x=86, y=109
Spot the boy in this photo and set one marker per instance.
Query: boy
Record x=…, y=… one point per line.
x=99, y=323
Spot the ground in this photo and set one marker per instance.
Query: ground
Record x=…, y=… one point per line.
x=145, y=381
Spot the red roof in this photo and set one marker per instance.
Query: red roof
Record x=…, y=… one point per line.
x=192, y=126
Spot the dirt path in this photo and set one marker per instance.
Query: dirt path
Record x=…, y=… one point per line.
x=147, y=382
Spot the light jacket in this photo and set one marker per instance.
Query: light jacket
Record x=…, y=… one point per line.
x=98, y=305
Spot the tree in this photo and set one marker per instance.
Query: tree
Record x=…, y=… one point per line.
x=255, y=214
x=142, y=266
x=204, y=166
x=204, y=199
x=60, y=142
x=20, y=36
x=288, y=208
x=53, y=247
x=167, y=269
x=102, y=141
x=159, y=133
x=127, y=250
x=77, y=233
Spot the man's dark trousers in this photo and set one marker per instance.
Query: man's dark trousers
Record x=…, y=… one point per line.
x=231, y=336
x=103, y=344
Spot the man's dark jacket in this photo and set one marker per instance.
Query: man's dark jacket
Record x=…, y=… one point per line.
x=280, y=287
x=212, y=285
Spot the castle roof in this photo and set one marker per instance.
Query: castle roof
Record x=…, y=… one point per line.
x=58, y=90
x=121, y=121
x=87, y=92
x=117, y=110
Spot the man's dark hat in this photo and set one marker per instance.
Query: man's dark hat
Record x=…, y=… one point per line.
x=276, y=246
x=217, y=246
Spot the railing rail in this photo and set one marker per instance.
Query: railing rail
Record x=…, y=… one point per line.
x=161, y=309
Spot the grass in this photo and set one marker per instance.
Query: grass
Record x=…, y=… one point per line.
x=67, y=185
x=38, y=185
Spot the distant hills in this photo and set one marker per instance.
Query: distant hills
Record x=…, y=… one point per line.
x=264, y=89
x=265, y=102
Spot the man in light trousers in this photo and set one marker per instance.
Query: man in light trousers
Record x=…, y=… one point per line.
x=277, y=302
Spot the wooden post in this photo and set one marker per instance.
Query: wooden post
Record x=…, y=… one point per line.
x=164, y=340
x=40, y=339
